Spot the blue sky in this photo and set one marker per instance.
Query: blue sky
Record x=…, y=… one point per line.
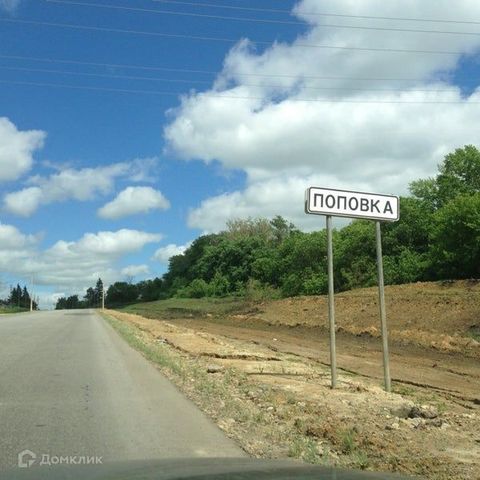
x=197, y=154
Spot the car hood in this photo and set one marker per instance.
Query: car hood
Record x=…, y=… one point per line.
x=197, y=468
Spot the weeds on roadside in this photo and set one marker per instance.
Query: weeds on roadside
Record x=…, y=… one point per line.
x=358, y=458
x=227, y=396
x=403, y=390
x=348, y=442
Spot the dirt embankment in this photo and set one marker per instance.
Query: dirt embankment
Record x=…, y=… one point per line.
x=429, y=426
x=441, y=315
x=432, y=332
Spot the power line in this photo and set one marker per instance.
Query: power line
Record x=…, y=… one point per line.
x=119, y=30
x=220, y=39
x=103, y=75
x=206, y=72
x=170, y=12
x=205, y=82
x=235, y=97
x=258, y=20
x=319, y=14
x=110, y=65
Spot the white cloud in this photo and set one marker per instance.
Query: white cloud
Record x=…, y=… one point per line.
x=23, y=202
x=163, y=254
x=17, y=148
x=134, y=200
x=12, y=238
x=142, y=169
x=135, y=270
x=354, y=140
x=73, y=184
x=299, y=126
x=264, y=198
x=110, y=244
x=70, y=266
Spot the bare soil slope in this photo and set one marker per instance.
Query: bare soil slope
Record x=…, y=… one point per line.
x=434, y=333
x=442, y=315
x=420, y=429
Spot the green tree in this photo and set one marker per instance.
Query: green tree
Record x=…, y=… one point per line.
x=220, y=286
x=198, y=288
x=98, y=291
x=16, y=296
x=90, y=297
x=425, y=189
x=355, y=256
x=406, y=266
x=459, y=174
x=301, y=263
x=456, y=238
x=25, y=298
x=121, y=293
x=413, y=229
x=61, y=303
x=259, y=228
x=281, y=229
x=150, y=290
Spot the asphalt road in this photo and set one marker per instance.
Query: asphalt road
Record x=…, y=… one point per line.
x=69, y=385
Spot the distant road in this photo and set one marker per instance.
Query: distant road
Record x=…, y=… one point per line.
x=69, y=385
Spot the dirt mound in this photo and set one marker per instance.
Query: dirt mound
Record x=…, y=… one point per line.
x=441, y=315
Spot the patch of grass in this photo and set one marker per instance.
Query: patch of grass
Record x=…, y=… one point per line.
x=295, y=449
x=430, y=399
x=187, y=307
x=311, y=453
x=306, y=449
x=441, y=407
x=356, y=457
x=155, y=353
x=348, y=443
x=475, y=335
x=360, y=460
x=8, y=310
x=403, y=390
x=290, y=398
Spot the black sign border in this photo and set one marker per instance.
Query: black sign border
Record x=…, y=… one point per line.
x=381, y=219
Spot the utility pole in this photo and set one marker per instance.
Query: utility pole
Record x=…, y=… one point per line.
x=31, y=294
x=103, y=296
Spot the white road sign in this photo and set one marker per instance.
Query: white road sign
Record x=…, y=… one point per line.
x=344, y=203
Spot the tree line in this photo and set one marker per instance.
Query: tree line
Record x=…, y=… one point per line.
x=91, y=299
x=19, y=298
x=436, y=238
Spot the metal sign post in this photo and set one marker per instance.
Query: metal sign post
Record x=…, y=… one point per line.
x=383, y=314
x=370, y=206
x=331, y=304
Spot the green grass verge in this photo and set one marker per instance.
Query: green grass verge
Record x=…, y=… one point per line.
x=7, y=310
x=157, y=354
x=186, y=307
